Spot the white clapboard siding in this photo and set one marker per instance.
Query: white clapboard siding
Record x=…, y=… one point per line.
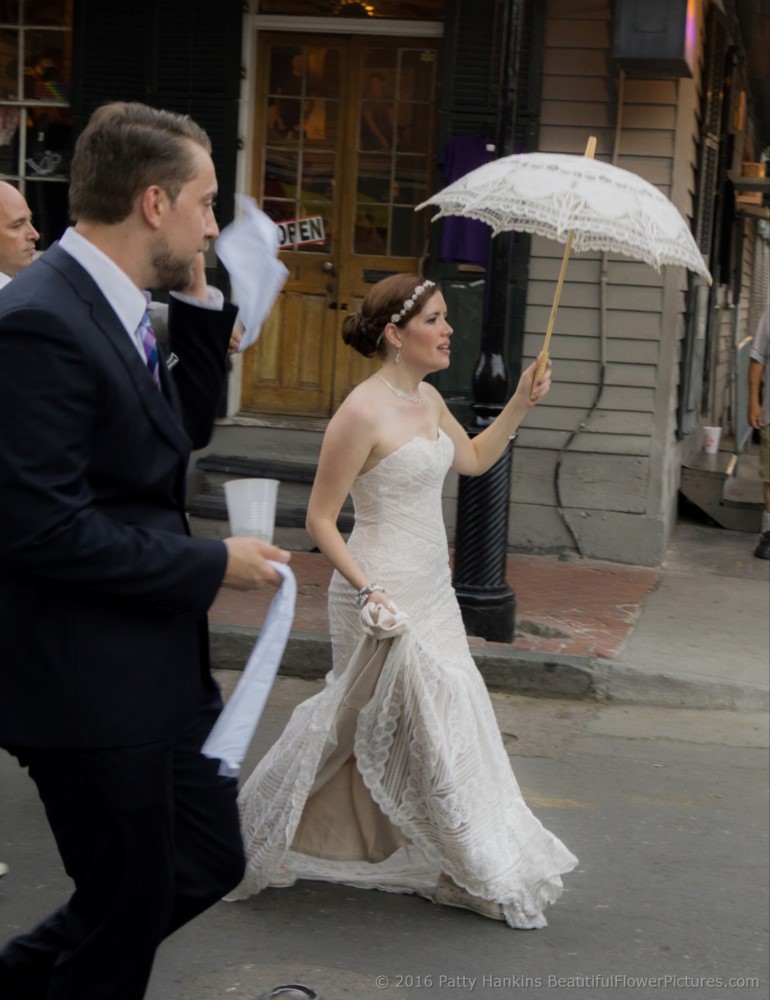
x=631, y=399
x=620, y=481
x=560, y=88
x=603, y=444
x=656, y=170
x=571, y=348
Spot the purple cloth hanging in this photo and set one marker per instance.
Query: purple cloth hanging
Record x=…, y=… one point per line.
x=464, y=240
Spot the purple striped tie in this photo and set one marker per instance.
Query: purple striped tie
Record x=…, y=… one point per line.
x=150, y=345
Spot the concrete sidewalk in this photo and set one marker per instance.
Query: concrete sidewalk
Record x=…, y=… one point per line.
x=694, y=633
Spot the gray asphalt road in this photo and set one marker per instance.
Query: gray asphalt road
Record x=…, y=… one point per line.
x=666, y=809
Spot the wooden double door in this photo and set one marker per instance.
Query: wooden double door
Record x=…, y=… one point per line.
x=344, y=149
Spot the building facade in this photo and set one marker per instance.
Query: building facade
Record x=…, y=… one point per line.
x=340, y=116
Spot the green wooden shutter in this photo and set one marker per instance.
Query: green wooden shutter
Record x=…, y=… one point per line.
x=110, y=58
x=711, y=131
x=471, y=68
x=196, y=64
x=182, y=55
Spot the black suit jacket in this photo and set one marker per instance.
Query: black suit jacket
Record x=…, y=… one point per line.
x=103, y=592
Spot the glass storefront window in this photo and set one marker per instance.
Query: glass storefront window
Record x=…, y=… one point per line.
x=35, y=116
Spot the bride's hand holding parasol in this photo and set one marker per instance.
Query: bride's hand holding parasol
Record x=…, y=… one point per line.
x=535, y=383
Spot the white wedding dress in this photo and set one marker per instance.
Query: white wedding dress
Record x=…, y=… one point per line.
x=396, y=772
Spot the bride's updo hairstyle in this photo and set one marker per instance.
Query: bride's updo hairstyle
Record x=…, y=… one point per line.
x=363, y=331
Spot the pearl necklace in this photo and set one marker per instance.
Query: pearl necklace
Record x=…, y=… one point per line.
x=401, y=395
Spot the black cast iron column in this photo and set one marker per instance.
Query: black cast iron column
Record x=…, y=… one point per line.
x=487, y=603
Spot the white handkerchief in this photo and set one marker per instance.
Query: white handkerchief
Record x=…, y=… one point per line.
x=379, y=623
x=248, y=248
x=230, y=738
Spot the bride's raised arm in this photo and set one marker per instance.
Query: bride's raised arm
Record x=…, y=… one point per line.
x=473, y=456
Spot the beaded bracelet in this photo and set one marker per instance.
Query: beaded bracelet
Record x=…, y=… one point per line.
x=365, y=593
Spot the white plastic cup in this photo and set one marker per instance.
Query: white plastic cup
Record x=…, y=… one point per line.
x=711, y=436
x=251, y=507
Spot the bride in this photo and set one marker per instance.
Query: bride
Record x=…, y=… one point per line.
x=395, y=776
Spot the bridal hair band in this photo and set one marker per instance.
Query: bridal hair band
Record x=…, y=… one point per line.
x=409, y=303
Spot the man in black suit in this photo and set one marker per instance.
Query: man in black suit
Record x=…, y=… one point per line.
x=105, y=690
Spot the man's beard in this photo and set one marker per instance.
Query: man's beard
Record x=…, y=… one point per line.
x=173, y=273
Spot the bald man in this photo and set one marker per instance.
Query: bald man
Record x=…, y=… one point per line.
x=17, y=234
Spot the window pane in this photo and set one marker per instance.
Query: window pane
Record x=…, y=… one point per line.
x=411, y=180
x=9, y=65
x=319, y=123
x=377, y=120
x=9, y=11
x=47, y=65
x=376, y=114
x=414, y=132
x=322, y=76
x=371, y=229
x=280, y=175
x=9, y=140
x=418, y=67
x=318, y=176
x=374, y=178
x=49, y=135
x=283, y=119
x=278, y=209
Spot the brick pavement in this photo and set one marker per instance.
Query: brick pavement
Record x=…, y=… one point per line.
x=585, y=608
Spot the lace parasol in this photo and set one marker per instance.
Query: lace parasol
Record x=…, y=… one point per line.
x=577, y=200
x=552, y=194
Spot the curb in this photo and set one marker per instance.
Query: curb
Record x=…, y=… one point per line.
x=518, y=671
x=628, y=686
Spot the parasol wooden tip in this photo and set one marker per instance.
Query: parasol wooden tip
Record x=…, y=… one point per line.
x=591, y=147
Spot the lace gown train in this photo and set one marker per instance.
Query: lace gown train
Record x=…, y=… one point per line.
x=396, y=772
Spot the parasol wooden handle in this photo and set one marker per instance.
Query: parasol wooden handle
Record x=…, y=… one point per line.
x=543, y=364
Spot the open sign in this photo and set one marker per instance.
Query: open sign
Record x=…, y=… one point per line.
x=300, y=232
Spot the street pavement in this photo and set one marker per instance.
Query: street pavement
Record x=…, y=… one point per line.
x=662, y=796
x=665, y=808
